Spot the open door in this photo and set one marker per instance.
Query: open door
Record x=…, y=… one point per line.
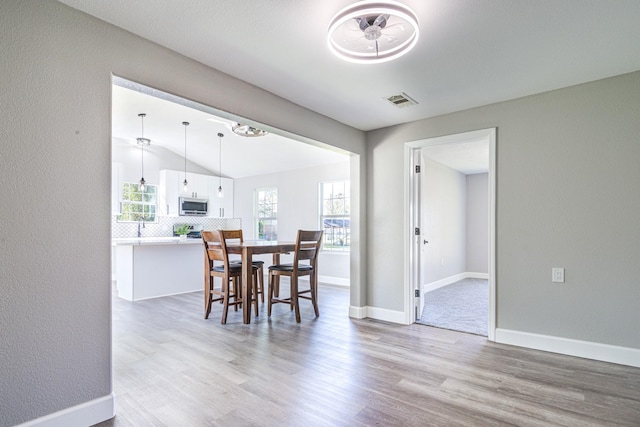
x=432, y=246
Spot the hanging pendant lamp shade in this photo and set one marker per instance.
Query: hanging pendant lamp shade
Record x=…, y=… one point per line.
x=185, y=183
x=220, y=192
x=142, y=142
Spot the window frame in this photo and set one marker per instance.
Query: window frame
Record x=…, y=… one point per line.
x=330, y=238
x=257, y=219
x=126, y=201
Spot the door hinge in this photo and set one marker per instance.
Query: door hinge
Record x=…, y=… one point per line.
x=417, y=231
x=417, y=293
x=417, y=168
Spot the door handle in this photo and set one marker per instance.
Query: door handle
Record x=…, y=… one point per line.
x=424, y=242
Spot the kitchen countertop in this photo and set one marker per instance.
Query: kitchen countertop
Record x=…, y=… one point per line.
x=155, y=241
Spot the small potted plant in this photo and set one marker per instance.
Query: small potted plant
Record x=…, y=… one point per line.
x=183, y=230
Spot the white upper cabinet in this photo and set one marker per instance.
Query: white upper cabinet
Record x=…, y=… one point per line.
x=220, y=207
x=197, y=187
x=200, y=187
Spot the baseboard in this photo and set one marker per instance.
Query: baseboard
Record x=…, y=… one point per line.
x=428, y=287
x=85, y=414
x=337, y=281
x=586, y=349
x=378, y=314
x=357, y=312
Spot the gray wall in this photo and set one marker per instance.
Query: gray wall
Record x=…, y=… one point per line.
x=55, y=139
x=567, y=196
x=477, y=223
x=444, y=196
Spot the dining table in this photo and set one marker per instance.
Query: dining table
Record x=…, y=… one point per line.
x=247, y=249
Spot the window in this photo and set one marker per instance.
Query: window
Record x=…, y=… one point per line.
x=138, y=205
x=266, y=214
x=334, y=215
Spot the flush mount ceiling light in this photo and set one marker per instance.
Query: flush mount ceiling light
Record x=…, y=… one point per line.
x=246, y=130
x=370, y=32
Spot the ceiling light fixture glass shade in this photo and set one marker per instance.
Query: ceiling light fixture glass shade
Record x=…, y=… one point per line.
x=371, y=32
x=220, y=192
x=185, y=183
x=142, y=142
x=248, y=131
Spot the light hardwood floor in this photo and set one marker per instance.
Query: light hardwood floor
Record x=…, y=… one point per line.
x=173, y=368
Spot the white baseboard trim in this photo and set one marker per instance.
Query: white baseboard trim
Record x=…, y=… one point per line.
x=427, y=287
x=337, y=281
x=357, y=312
x=82, y=415
x=586, y=349
x=378, y=314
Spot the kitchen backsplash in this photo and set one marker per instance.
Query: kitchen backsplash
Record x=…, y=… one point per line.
x=164, y=226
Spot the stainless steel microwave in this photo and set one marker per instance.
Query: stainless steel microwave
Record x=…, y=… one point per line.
x=193, y=207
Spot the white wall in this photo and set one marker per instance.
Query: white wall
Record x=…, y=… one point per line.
x=444, y=202
x=567, y=196
x=477, y=223
x=156, y=158
x=55, y=145
x=298, y=208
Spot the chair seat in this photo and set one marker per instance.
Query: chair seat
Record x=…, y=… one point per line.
x=289, y=267
x=233, y=268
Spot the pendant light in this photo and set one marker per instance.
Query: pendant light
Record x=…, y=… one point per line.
x=185, y=182
x=142, y=141
x=220, y=192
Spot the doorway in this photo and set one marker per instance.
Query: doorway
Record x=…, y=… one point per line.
x=452, y=222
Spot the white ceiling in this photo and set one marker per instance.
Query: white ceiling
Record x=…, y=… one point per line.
x=470, y=52
x=242, y=156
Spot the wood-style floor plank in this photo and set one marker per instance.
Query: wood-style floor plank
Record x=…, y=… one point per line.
x=174, y=368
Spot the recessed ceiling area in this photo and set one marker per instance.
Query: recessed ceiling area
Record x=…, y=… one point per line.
x=243, y=156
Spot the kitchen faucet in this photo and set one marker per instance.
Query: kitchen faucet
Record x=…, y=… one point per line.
x=139, y=232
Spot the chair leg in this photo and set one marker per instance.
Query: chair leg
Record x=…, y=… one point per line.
x=225, y=299
x=254, y=299
x=314, y=293
x=294, y=297
x=270, y=297
x=207, y=298
x=261, y=278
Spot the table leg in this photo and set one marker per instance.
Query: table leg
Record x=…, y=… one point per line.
x=247, y=271
x=276, y=279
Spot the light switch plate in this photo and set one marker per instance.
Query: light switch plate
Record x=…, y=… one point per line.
x=557, y=275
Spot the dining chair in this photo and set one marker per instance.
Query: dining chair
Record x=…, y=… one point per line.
x=236, y=235
x=305, y=263
x=217, y=264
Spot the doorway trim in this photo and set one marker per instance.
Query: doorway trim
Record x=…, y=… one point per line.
x=412, y=219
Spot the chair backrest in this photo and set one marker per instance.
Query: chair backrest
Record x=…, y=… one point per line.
x=212, y=246
x=307, y=247
x=231, y=236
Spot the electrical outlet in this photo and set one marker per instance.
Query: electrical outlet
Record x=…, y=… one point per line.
x=557, y=275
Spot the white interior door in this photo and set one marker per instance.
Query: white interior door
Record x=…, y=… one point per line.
x=422, y=250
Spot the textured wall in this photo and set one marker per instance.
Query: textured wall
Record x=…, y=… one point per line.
x=55, y=161
x=567, y=196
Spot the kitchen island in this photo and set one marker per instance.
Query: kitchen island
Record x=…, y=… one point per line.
x=151, y=267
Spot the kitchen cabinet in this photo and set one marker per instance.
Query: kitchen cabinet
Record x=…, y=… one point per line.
x=169, y=192
x=200, y=186
x=116, y=188
x=220, y=207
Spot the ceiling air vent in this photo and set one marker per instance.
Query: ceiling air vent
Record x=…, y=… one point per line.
x=401, y=100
